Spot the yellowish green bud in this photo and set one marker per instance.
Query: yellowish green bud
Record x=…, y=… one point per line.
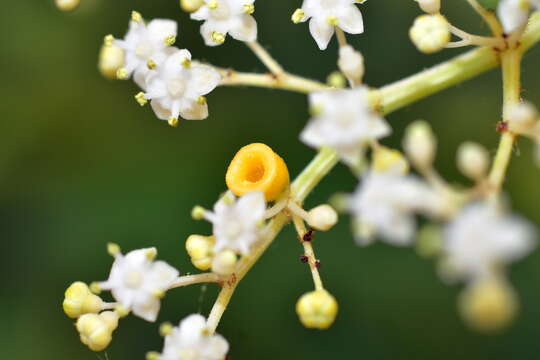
x=389, y=160
x=336, y=80
x=429, y=241
x=79, y=300
x=111, y=60
x=317, y=309
x=488, y=305
x=430, y=6
x=67, y=5
x=96, y=330
x=191, y=5
x=199, y=249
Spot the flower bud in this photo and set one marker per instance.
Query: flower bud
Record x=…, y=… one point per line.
x=351, y=63
x=322, y=217
x=488, y=304
x=96, y=330
x=429, y=241
x=389, y=160
x=111, y=59
x=473, y=160
x=430, y=6
x=420, y=144
x=199, y=249
x=191, y=5
x=336, y=80
x=79, y=300
x=522, y=117
x=224, y=262
x=317, y=309
x=67, y=5
x=430, y=33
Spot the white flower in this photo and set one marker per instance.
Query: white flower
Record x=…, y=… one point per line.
x=137, y=282
x=515, y=13
x=482, y=236
x=384, y=203
x=345, y=121
x=191, y=340
x=177, y=88
x=236, y=222
x=145, y=45
x=327, y=14
x=222, y=17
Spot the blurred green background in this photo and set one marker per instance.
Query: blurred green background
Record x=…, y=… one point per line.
x=81, y=164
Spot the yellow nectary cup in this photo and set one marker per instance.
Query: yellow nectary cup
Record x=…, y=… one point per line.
x=256, y=167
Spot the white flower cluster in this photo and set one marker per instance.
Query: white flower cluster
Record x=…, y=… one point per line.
x=174, y=84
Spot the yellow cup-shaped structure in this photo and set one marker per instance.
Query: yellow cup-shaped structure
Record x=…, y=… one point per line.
x=256, y=167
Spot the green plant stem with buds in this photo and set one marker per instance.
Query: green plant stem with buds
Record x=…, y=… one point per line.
x=387, y=99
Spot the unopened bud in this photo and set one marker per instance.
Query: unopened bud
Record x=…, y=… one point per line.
x=67, y=5
x=317, y=309
x=473, y=160
x=430, y=6
x=420, y=144
x=79, y=300
x=488, y=305
x=224, y=262
x=111, y=59
x=389, y=160
x=336, y=80
x=522, y=117
x=351, y=63
x=430, y=33
x=322, y=217
x=199, y=249
x=96, y=330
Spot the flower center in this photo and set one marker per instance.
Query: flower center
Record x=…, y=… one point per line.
x=176, y=87
x=133, y=279
x=144, y=50
x=233, y=229
x=222, y=11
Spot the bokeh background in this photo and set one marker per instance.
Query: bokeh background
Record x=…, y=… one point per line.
x=81, y=164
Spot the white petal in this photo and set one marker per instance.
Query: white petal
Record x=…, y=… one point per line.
x=162, y=275
x=161, y=112
x=321, y=32
x=244, y=28
x=252, y=205
x=192, y=110
x=512, y=14
x=202, y=14
x=351, y=20
x=203, y=80
x=147, y=310
x=159, y=29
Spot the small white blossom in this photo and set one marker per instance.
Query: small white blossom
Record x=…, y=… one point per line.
x=146, y=45
x=191, y=340
x=345, y=121
x=384, y=204
x=482, y=237
x=236, y=222
x=137, y=282
x=515, y=13
x=430, y=33
x=177, y=88
x=222, y=17
x=327, y=14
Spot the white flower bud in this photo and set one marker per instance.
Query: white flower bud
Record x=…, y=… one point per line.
x=67, y=5
x=430, y=6
x=317, y=309
x=111, y=59
x=224, y=262
x=322, y=217
x=199, y=249
x=488, y=304
x=420, y=144
x=78, y=300
x=96, y=330
x=522, y=117
x=351, y=63
x=191, y=5
x=473, y=160
x=430, y=33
